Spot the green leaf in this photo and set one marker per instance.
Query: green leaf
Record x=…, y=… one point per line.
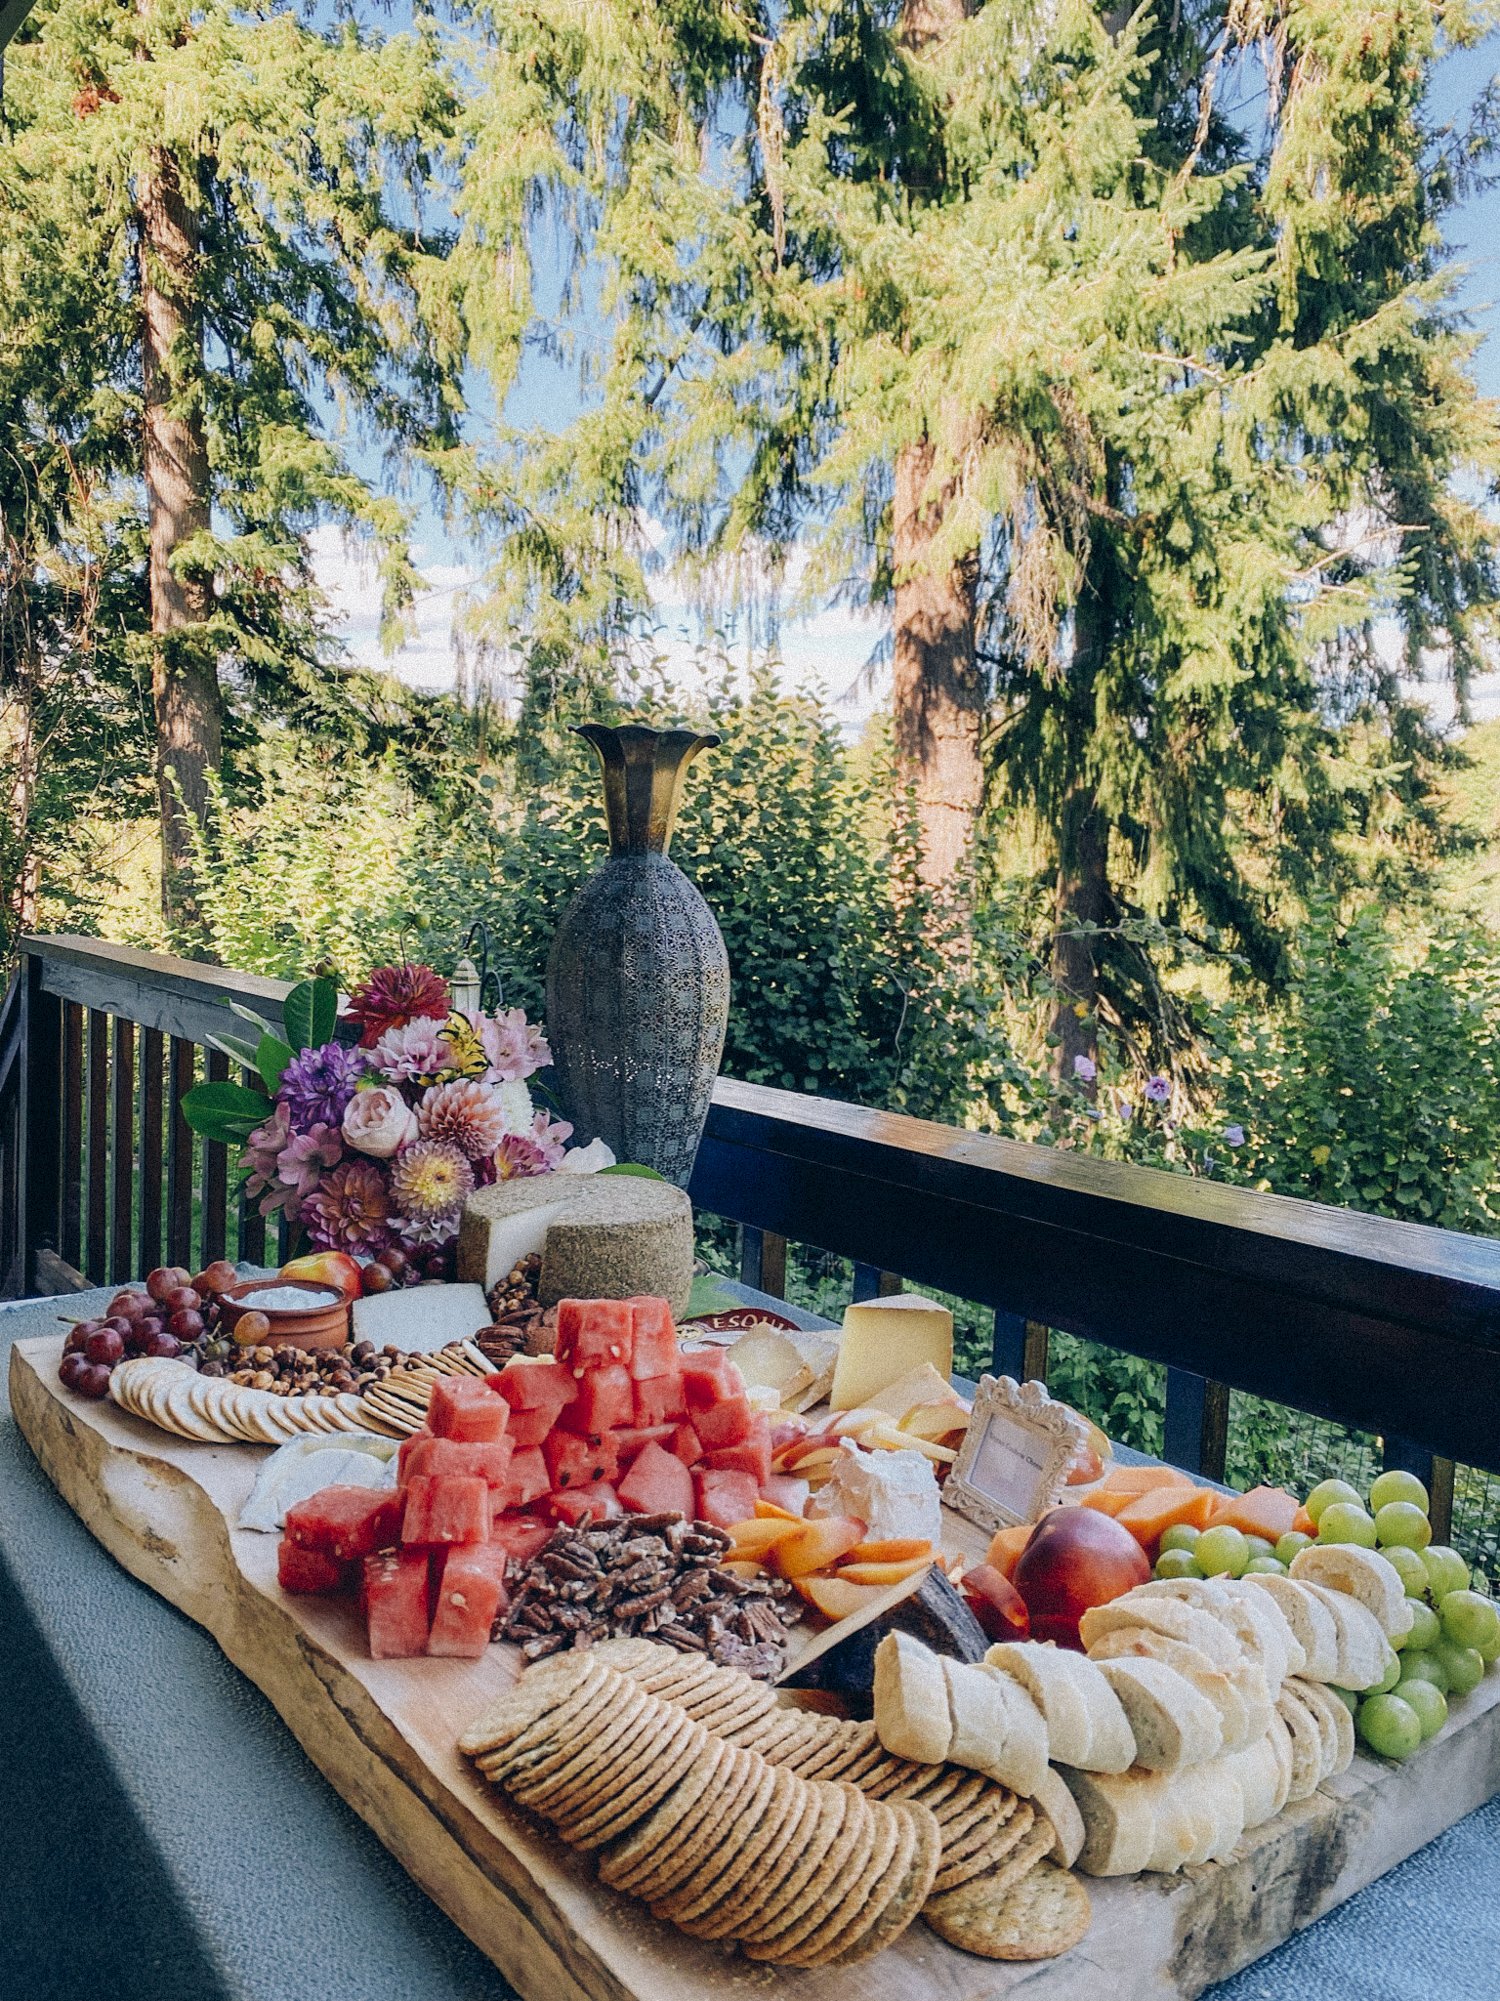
x=311, y=1012
x=237, y=1046
x=248, y=1014
x=708, y=1295
x=271, y=1057
x=225, y=1112
x=630, y=1167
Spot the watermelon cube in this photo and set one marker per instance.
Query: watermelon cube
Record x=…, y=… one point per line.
x=724, y=1497
x=653, y=1337
x=630, y=1438
x=528, y=1479
x=446, y=1507
x=491, y=1462
x=397, y=1600
x=345, y=1522
x=575, y=1462
x=530, y=1427
x=687, y=1445
x=657, y=1484
x=751, y=1455
x=658, y=1398
x=404, y=1455
x=593, y=1332
x=604, y=1400
x=309, y=1570
x=598, y=1502
x=539, y=1385
x=463, y=1407
x=470, y=1595
x=521, y=1536
x=725, y=1423
x=707, y=1376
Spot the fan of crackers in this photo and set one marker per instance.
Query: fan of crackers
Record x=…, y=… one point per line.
x=210, y=1410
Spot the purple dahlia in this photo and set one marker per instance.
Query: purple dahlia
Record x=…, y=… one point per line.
x=350, y=1209
x=317, y=1085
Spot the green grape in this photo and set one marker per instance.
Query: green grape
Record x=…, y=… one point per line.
x=1343, y=1521
x=1397, y=1487
x=1446, y=1570
x=1260, y=1545
x=1463, y=1666
x=1222, y=1552
x=1409, y=1567
x=1177, y=1563
x=1425, y=1664
x=1425, y=1630
x=1389, y=1726
x=1429, y=1701
x=1181, y=1535
x=1347, y=1696
x=1399, y=1525
x=1265, y=1566
x=1327, y=1492
x=1471, y=1621
x=1288, y=1545
x=1392, y=1673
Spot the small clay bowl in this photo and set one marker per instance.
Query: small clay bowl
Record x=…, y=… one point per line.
x=312, y=1327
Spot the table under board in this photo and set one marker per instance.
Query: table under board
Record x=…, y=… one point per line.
x=164, y=1838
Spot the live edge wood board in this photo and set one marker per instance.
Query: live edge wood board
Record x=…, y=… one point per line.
x=383, y=1733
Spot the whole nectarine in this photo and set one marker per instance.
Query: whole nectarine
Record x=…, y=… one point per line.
x=1075, y=1558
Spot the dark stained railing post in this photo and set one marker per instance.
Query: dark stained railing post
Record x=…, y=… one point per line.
x=153, y=1045
x=181, y=1059
x=763, y=1262
x=122, y=1162
x=38, y=1183
x=71, y=1239
x=96, y=1251
x=1196, y=1430
x=215, y=1175
x=1436, y=1475
x=1018, y=1348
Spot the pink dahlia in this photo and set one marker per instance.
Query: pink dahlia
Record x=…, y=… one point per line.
x=417, y=1053
x=349, y=1210
x=430, y=1180
x=470, y=1115
x=394, y=995
x=517, y=1157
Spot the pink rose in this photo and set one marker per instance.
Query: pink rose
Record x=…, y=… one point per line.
x=379, y=1122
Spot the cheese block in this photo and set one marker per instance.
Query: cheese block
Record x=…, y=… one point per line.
x=422, y=1318
x=883, y=1340
x=894, y=1494
x=599, y=1236
x=917, y=1388
x=768, y=1360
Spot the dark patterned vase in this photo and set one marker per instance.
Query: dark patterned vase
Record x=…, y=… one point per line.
x=638, y=979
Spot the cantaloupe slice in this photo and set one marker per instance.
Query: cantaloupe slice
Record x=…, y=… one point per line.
x=1267, y=1511
x=1142, y=1479
x=1149, y=1515
x=1303, y=1522
x=1005, y=1551
x=1108, y=1500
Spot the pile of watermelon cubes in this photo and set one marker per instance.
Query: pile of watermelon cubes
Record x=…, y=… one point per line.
x=618, y=1420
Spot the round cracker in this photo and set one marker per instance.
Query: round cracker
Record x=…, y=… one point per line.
x=641, y=1855
x=826, y=1888
x=782, y=1808
x=886, y=1886
x=911, y=1894
x=718, y=1872
x=1044, y=1914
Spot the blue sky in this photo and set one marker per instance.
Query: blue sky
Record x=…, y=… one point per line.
x=830, y=650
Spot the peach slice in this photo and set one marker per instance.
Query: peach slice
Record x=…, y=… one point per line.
x=752, y=1539
x=740, y=1568
x=883, y=1573
x=816, y=1545
x=833, y=1597
x=896, y=1550
x=767, y=1511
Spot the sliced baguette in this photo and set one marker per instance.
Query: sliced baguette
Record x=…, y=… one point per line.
x=1118, y=1810
x=1173, y=1723
x=911, y=1701
x=1331, y=1710
x=1256, y=1770
x=1199, y=1817
x=996, y=1727
x=1262, y=1633
x=1362, y=1647
x=1271, y=1622
x=1323, y=1723
x=1241, y=1695
x=1280, y=1740
x=1307, y=1744
x=1168, y=1616
x=1310, y=1620
x=1054, y=1800
x=1362, y=1574
x=1085, y=1723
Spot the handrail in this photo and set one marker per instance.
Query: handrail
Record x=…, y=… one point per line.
x=176, y=996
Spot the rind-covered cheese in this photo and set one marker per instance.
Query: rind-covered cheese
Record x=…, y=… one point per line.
x=599, y=1236
x=884, y=1339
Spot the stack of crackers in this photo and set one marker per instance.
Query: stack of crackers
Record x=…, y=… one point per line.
x=715, y=1838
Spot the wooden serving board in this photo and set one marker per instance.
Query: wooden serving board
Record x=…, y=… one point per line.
x=383, y=1733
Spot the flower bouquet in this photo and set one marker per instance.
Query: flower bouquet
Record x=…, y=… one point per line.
x=373, y=1144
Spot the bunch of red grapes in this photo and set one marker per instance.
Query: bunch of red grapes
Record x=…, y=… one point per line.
x=169, y=1316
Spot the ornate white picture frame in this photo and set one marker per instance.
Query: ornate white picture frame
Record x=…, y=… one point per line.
x=1013, y=1464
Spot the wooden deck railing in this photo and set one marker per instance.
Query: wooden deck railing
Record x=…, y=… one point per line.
x=1386, y=1326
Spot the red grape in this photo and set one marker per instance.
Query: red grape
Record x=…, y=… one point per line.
x=183, y=1299
x=395, y=1261
x=218, y=1277
x=106, y=1346
x=186, y=1324
x=163, y=1344
x=165, y=1279
x=77, y=1335
x=120, y=1324
x=93, y=1380
x=70, y=1369
x=129, y=1305
x=378, y=1278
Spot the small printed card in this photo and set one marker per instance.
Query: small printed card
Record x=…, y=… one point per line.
x=1014, y=1461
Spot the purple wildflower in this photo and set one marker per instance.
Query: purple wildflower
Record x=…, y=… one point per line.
x=1126, y=1111
x=1085, y=1069
x=1234, y=1135
x=317, y=1085
x=1158, y=1090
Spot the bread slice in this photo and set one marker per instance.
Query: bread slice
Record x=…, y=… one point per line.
x=1310, y=1620
x=1360, y=1573
x=1280, y=1740
x=1241, y=1695
x=1335, y=1719
x=1118, y=1810
x=1256, y=1770
x=1327, y=1729
x=1085, y=1723
x=1307, y=1744
x=911, y=1701
x=1271, y=1623
x=1054, y=1800
x=996, y=1727
x=1173, y=1723
x=1363, y=1649
x=1167, y=1616
x=1199, y=1818
x=1262, y=1633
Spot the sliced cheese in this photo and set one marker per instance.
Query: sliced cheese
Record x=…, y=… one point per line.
x=768, y=1360
x=885, y=1339
x=921, y=1385
x=423, y=1318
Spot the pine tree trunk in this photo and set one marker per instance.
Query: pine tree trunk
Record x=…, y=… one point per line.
x=18, y=669
x=937, y=691
x=184, y=672
x=1081, y=893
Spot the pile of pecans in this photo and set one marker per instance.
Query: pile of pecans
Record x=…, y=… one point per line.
x=518, y=1314
x=655, y=1575
x=300, y=1372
